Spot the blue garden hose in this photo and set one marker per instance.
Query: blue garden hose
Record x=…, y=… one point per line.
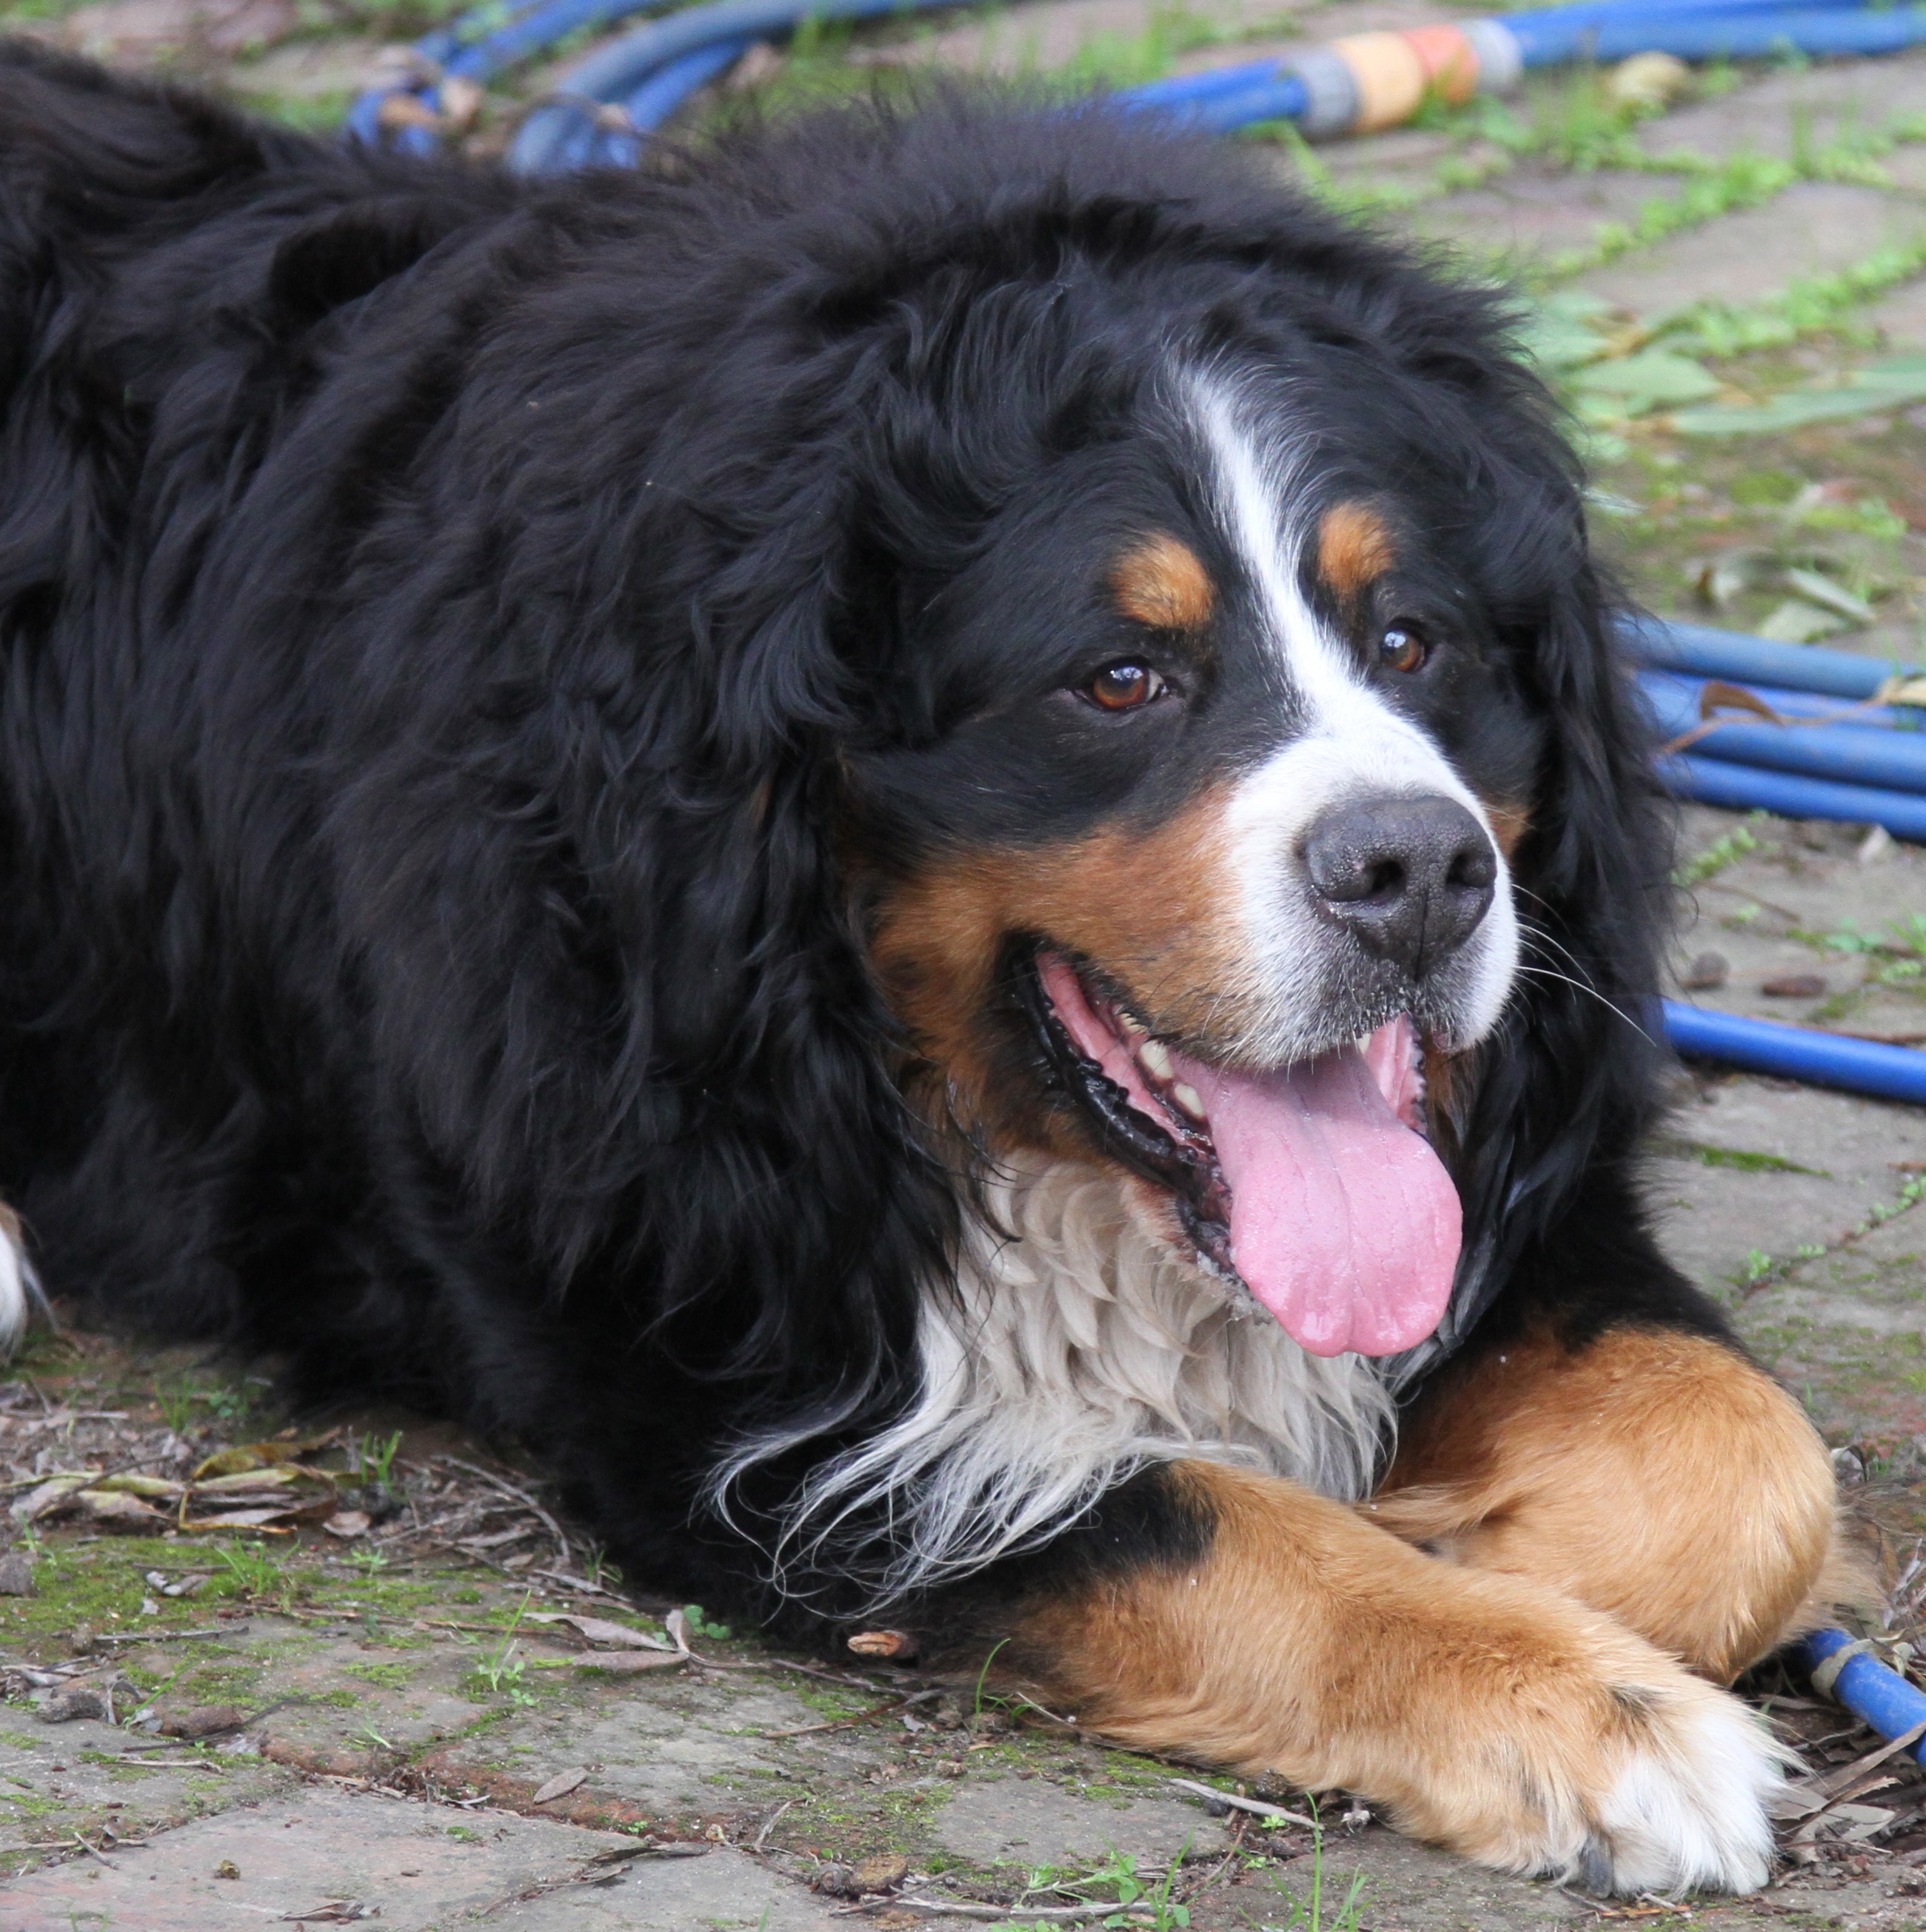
x=1797, y=1053
x=1732, y=32
x=1887, y=758
x=1808, y=707
x=643, y=78
x=1849, y=772
x=1867, y=1688
x=619, y=71
x=1747, y=788
x=1831, y=781
x=1220, y=99
x=1704, y=652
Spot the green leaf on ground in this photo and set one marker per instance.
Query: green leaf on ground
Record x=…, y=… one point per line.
x=1567, y=330
x=1815, y=588
x=1796, y=622
x=1892, y=384
x=1653, y=379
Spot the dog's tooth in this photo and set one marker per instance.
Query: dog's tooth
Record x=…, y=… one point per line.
x=1190, y=1100
x=1154, y=1056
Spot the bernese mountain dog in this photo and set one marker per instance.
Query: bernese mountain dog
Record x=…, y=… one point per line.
x=915, y=837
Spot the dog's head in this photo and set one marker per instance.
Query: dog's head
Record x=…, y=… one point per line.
x=1172, y=607
x=1208, y=852
x=1211, y=597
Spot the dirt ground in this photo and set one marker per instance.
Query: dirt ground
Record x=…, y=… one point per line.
x=319, y=1670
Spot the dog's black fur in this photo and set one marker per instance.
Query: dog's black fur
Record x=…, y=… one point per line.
x=454, y=632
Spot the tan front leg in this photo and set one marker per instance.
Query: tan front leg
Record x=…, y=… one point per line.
x=1485, y=1712
x=1656, y=1475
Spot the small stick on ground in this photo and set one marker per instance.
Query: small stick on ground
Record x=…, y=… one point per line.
x=845, y=1723
x=769, y=1825
x=1255, y=1807
x=520, y=1495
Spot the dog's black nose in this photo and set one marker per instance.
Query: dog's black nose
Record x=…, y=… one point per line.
x=1411, y=877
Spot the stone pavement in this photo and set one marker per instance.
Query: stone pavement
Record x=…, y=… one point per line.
x=384, y=1726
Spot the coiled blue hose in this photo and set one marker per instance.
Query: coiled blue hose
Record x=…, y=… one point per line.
x=1704, y=652
x=1862, y=776
x=1889, y=759
x=1809, y=705
x=618, y=72
x=1746, y=788
x=649, y=73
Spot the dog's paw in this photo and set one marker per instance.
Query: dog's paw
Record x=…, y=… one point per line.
x=1686, y=1808
x=1573, y=1748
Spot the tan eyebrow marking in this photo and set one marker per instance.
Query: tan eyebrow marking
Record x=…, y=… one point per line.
x=1355, y=549
x=1161, y=582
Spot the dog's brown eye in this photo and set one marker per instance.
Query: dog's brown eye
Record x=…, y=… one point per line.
x=1403, y=647
x=1124, y=687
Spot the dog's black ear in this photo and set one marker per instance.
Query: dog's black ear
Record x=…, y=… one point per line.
x=1569, y=1085
x=341, y=256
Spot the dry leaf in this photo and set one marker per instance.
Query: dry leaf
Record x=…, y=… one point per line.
x=248, y=1481
x=157, y=1489
x=599, y=1630
x=55, y=1491
x=559, y=1786
x=627, y=1663
x=268, y=1520
x=113, y=1509
x=883, y=1872
x=203, y=1720
x=1718, y=696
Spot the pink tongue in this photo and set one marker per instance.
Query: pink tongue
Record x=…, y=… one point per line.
x=1343, y=1222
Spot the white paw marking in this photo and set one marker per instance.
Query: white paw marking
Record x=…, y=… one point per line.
x=1689, y=1810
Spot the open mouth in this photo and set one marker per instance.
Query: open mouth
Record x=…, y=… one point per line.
x=1311, y=1184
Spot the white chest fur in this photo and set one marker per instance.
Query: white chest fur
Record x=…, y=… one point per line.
x=1074, y=1349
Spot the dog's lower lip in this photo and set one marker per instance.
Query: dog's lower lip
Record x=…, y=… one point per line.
x=1171, y=1148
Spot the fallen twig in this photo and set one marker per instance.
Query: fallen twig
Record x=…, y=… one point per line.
x=578, y=1583
x=170, y=1636
x=520, y=1495
x=845, y=1723
x=1026, y=1915
x=1255, y=1806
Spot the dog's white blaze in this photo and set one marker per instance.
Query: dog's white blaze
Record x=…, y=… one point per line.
x=1352, y=744
x=1075, y=1350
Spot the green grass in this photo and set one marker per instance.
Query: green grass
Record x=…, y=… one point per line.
x=374, y=1458
x=1725, y=850
x=1708, y=1154
x=1117, y=1881
x=1311, y=1914
x=252, y=1573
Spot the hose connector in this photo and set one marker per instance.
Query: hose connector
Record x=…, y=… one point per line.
x=1364, y=83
